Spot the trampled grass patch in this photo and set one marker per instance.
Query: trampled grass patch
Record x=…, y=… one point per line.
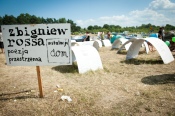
x=141, y=86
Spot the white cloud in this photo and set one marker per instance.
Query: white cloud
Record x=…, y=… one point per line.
x=84, y=23
x=149, y=16
x=114, y=20
x=121, y=20
x=162, y=4
x=158, y=12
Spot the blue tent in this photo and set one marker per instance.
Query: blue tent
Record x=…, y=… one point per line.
x=153, y=35
x=115, y=37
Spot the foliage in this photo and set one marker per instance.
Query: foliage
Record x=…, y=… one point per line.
x=75, y=33
x=8, y=20
x=32, y=19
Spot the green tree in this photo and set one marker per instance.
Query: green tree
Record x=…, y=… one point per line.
x=62, y=20
x=90, y=27
x=9, y=20
x=97, y=27
x=43, y=21
x=73, y=26
x=169, y=27
x=55, y=21
x=77, y=28
x=106, y=26
x=24, y=18
x=49, y=20
x=1, y=20
x=34, y=20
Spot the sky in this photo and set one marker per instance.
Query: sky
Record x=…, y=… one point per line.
x=84, y=13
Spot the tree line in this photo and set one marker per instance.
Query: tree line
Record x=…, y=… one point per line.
x=32, y=19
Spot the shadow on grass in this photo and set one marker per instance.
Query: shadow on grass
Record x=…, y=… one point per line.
x=66, y=68
x=139, y=61
x=18, y=97
x=114, y=49
x=15, y=95
x=159, y=79
x=174, y=55
x=124, y=52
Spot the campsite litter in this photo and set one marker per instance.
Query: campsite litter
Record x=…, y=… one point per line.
x=59, y=89
x=58, y=86
x=64, y=98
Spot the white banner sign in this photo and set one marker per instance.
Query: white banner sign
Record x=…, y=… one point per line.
x=36, y=45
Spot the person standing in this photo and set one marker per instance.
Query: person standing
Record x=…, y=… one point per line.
x=108, y=35
x=102, y=35
x=160, y=34
x=163, y=34
x=87, y=38
x=1, y=42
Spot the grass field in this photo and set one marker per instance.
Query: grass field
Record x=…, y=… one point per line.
x=140, y=87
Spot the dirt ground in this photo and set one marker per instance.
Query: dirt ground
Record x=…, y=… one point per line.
x=140, y=87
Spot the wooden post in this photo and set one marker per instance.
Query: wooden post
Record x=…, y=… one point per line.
x=39, y=81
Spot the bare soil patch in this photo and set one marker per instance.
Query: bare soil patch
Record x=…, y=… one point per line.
x=142, y=86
